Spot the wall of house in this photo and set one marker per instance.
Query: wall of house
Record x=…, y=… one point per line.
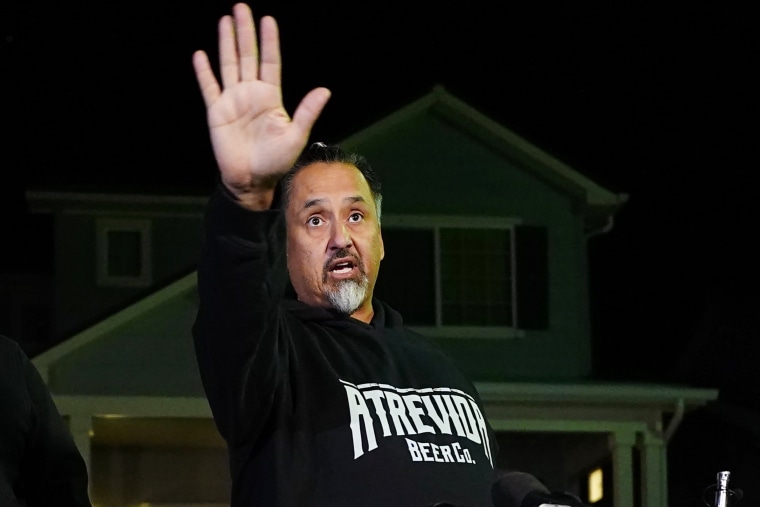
x=432, y=166
x=143, y=351
x=80, y=300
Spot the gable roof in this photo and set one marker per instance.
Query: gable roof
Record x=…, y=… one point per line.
x=599, y=204
x=145, y=349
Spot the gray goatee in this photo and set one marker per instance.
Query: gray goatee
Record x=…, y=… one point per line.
x=348, y=295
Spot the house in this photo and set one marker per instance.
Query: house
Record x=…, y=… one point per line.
x=486, y=242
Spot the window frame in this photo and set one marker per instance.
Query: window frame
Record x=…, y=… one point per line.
x=143, y=227
x=436, y=223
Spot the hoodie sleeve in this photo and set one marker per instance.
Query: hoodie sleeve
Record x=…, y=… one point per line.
x=242, y=276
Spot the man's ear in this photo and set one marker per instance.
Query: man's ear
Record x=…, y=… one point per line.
x=382, y=245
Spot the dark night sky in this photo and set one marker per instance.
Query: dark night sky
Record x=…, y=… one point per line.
x=658, y=103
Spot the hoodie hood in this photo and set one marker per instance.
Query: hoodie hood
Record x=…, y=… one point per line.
x=384, y=318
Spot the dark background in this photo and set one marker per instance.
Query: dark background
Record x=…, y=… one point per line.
x=659, y=102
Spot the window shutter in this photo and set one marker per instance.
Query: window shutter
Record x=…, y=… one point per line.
x=532, y=277
x=407, y=275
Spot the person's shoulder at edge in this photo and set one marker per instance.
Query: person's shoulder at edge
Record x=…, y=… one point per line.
x=10, y=350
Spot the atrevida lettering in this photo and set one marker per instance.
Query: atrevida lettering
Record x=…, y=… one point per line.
x=406, y=412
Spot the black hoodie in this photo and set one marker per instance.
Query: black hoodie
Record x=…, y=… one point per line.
x=319, y=408
x=40, y=465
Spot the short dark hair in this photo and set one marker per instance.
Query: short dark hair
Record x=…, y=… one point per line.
x=321, y=152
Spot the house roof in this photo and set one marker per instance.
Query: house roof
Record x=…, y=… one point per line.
x=145, y=349
x=599, y=204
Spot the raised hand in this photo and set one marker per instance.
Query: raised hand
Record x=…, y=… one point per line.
x=254, y=139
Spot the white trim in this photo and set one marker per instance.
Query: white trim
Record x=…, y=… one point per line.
x=45, y=360
x=596, y=393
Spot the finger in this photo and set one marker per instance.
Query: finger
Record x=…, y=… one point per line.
x=310, y=108
x=206, y=79
x=248, y=50
x=228, y=58
x=271, y=61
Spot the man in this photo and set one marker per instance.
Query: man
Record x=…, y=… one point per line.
x=40, y=465
x=324, y=398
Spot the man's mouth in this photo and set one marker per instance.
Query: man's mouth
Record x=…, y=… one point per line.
x=342, y=267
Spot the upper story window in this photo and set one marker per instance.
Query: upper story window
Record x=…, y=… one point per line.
x=123, y=252
x=465, y=275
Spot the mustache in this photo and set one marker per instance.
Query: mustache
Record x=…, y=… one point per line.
x=343, y=253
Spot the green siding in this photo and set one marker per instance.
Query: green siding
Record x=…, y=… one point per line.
x=431, y=167
x=80, y=302
x=151, y=355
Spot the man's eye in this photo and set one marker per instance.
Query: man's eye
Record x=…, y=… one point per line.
x=355, y=217
x=315, y=221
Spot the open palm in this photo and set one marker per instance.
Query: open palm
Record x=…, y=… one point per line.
x=254, y=139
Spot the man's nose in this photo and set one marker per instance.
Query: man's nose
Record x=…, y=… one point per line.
x=340, y=237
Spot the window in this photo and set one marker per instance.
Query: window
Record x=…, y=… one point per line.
x=476, y=280
x=450, y=273
x=123, y=252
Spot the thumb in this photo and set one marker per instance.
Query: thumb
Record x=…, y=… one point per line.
x=310, y=108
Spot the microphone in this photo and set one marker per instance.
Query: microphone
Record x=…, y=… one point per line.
x=519, y=489
x=721, y=496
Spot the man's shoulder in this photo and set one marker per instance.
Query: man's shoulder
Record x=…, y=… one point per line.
x=10, y=349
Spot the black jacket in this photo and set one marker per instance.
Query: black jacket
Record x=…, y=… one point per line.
x=321, y=409
x=40, y=465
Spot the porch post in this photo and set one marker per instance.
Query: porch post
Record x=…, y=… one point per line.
x=621, y=447
x=654, y=469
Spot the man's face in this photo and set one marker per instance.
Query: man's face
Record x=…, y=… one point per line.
x=334, y=241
